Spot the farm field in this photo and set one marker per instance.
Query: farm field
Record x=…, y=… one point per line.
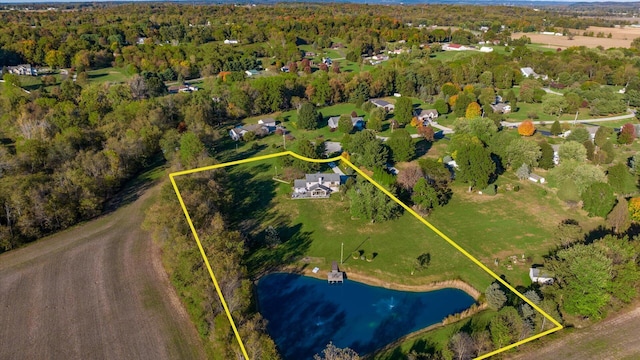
x=97, y=290
x=620, y=37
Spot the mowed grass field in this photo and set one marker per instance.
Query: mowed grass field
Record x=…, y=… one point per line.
x=488, y=227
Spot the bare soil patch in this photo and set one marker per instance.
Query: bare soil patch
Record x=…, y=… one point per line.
x=613, y=338
x=97, y=291
x=620, y=37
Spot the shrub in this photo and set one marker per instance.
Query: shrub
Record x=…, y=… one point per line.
x=490, y=190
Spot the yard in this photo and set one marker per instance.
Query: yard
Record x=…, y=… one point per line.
x=489, y=227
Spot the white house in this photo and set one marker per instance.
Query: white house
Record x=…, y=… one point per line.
x=536, y=178
x=316, y=185
x=23, y=69
x=540, y=276
x=486, y=49
x=251, y=72
x=230, y=41
x=427, y=115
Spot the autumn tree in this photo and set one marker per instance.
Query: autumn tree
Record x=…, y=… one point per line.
x=618, y=219
x=526, y=128
x=473, y=110
x=627, y=134
x=634, y=209
x=427, y=132
x=409, y=176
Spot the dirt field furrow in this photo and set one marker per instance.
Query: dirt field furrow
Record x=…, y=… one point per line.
x=93, y=292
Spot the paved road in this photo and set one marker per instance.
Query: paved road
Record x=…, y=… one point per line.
x=335, y=168
x=630, y=115
x=96, y=291
x=549, y=91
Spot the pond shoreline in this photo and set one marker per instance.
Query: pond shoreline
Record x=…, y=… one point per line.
x=370, y=280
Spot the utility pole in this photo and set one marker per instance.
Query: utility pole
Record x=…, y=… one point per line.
x=576, y=118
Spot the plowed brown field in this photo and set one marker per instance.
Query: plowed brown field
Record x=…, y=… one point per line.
x=97, y=291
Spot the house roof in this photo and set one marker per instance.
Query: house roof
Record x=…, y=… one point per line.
x=333, y=121
x=331, y=177
x=380, y=102
x=541, y=272
x=428, y=112
x=318, y=186
x=300, y=184
x=527, y=71
x=535, y=176
x=454, y=46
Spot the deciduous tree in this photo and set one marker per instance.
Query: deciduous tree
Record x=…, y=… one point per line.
x=526, y=128
x=572, y=150
x=634, y=208
x=474, y=165
x=473, y=110
x=598, y=199
x=618, y=219
x=345, y=125
x=370, y=203
x=627, y=134
x=621, y=179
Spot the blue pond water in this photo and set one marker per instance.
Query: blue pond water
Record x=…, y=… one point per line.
x=304, y=313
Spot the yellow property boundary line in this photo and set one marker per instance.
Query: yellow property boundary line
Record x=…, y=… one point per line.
x=172, y=176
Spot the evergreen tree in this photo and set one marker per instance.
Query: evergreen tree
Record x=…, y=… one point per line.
x=475, y=165
x=546, y=156
x=403, y=110
x=556, y=129
x=307, y=117
x=345, y=125
x=401, y=145
x=598, y=199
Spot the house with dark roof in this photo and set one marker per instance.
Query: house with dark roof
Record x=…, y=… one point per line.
x=316, y=186
x=501, y=108
x=383, y=104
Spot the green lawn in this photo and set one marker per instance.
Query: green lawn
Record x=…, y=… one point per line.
x=488, y=227
x=110, y=74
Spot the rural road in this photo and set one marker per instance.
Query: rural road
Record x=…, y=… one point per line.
x=613, y=339
x=96, y=291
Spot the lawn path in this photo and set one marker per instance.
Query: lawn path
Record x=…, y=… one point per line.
x=96, y=291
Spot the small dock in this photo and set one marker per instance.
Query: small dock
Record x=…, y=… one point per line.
x=335, y=276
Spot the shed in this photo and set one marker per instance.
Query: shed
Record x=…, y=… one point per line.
x=536, y=178
x=541, y=276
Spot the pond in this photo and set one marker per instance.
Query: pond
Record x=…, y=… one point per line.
x=305, y=313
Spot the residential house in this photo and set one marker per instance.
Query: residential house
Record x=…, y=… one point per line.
x=501, y=108
x=186, y=88
x=357, y=122
x=141, y=40
x=536, y=178
x=383, y=104
x=23, y=69
x=529, y=73
x=259, y=129
x=327, y=61
x=309, y=54
x=456, y=47
x=556, y=156
x=251, y=72
x=428, y=115
x=230, y=41
x=270, y=123
x=285, y=69
x=316, y=185
x=486, y=49
x=541, y=276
